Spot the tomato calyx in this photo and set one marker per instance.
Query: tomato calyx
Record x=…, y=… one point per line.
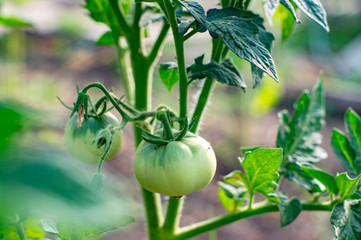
x=169, y=134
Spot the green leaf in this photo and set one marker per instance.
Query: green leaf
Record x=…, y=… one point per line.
x=14, y=22
x=231, y=197
x=49, y=226
x=270, y=7
x=260, y=170
x=106, y=39
x=325, y=178
x=346, y=185
x=82, y=228
x=168, y=72
x=346, y=220
x=197, y=12
x=353, y=128
x=101, y=11
x=294, y=172
x=241, y=35
x=289, y=209
x=344, y=151
x=266, y=39
x=288, y=17
x=315, y=10
x=224, y=72
x=300, y=136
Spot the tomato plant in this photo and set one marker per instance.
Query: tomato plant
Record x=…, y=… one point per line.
x=175, y=161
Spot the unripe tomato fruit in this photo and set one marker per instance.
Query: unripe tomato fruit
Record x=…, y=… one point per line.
x=177, y=168
x=80, y=140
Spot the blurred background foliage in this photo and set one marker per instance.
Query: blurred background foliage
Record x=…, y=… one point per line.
x=48, y=46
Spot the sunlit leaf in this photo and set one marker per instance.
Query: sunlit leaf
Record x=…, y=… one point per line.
x=346, y=185
x=260, y=170
x=14, y=22
x=325, y=178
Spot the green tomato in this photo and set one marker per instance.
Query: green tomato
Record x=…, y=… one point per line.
x=177, y=168
x=80, y=140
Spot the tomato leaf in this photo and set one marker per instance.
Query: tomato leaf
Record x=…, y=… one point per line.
x=346, y=185
x=315, y=10
x=300, y=136
x=344, y=152
x=240, y=35
x=14, y=22
x=289, y=208
x=270, y=7
x=224, y=72
x=49, y=226
x=325, y=178
x=260, y=170
x=346, y=220
x=348, y=150
x=230, y=196
x=197, y=12
x=168, y=73
x=101, y=11
x=266, y=38
x=353, y=128
x=106, y=39
x=291, y=7
x=287, y=14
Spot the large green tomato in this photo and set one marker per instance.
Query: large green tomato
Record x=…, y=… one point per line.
x=177, y=168
x=80, y=140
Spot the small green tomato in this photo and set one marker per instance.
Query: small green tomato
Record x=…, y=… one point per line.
x=80, y=140
x=177, y=168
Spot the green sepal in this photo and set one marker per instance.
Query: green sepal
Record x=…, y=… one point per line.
x=148, y=137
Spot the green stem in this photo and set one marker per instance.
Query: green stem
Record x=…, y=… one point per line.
x=189, y=35
x=250, y=201
x=246, y=4
x=107, y=148
x=155, y=53
x=182, y=70
x=260, y=208
x=208, y=87
x=119, y=15
x=126, y=72
x=167, y=129
x=20, y=230
x=172, y=218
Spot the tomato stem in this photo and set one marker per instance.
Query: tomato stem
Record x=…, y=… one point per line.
x=20, y=230
x=259, y=208
x=163, y=116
